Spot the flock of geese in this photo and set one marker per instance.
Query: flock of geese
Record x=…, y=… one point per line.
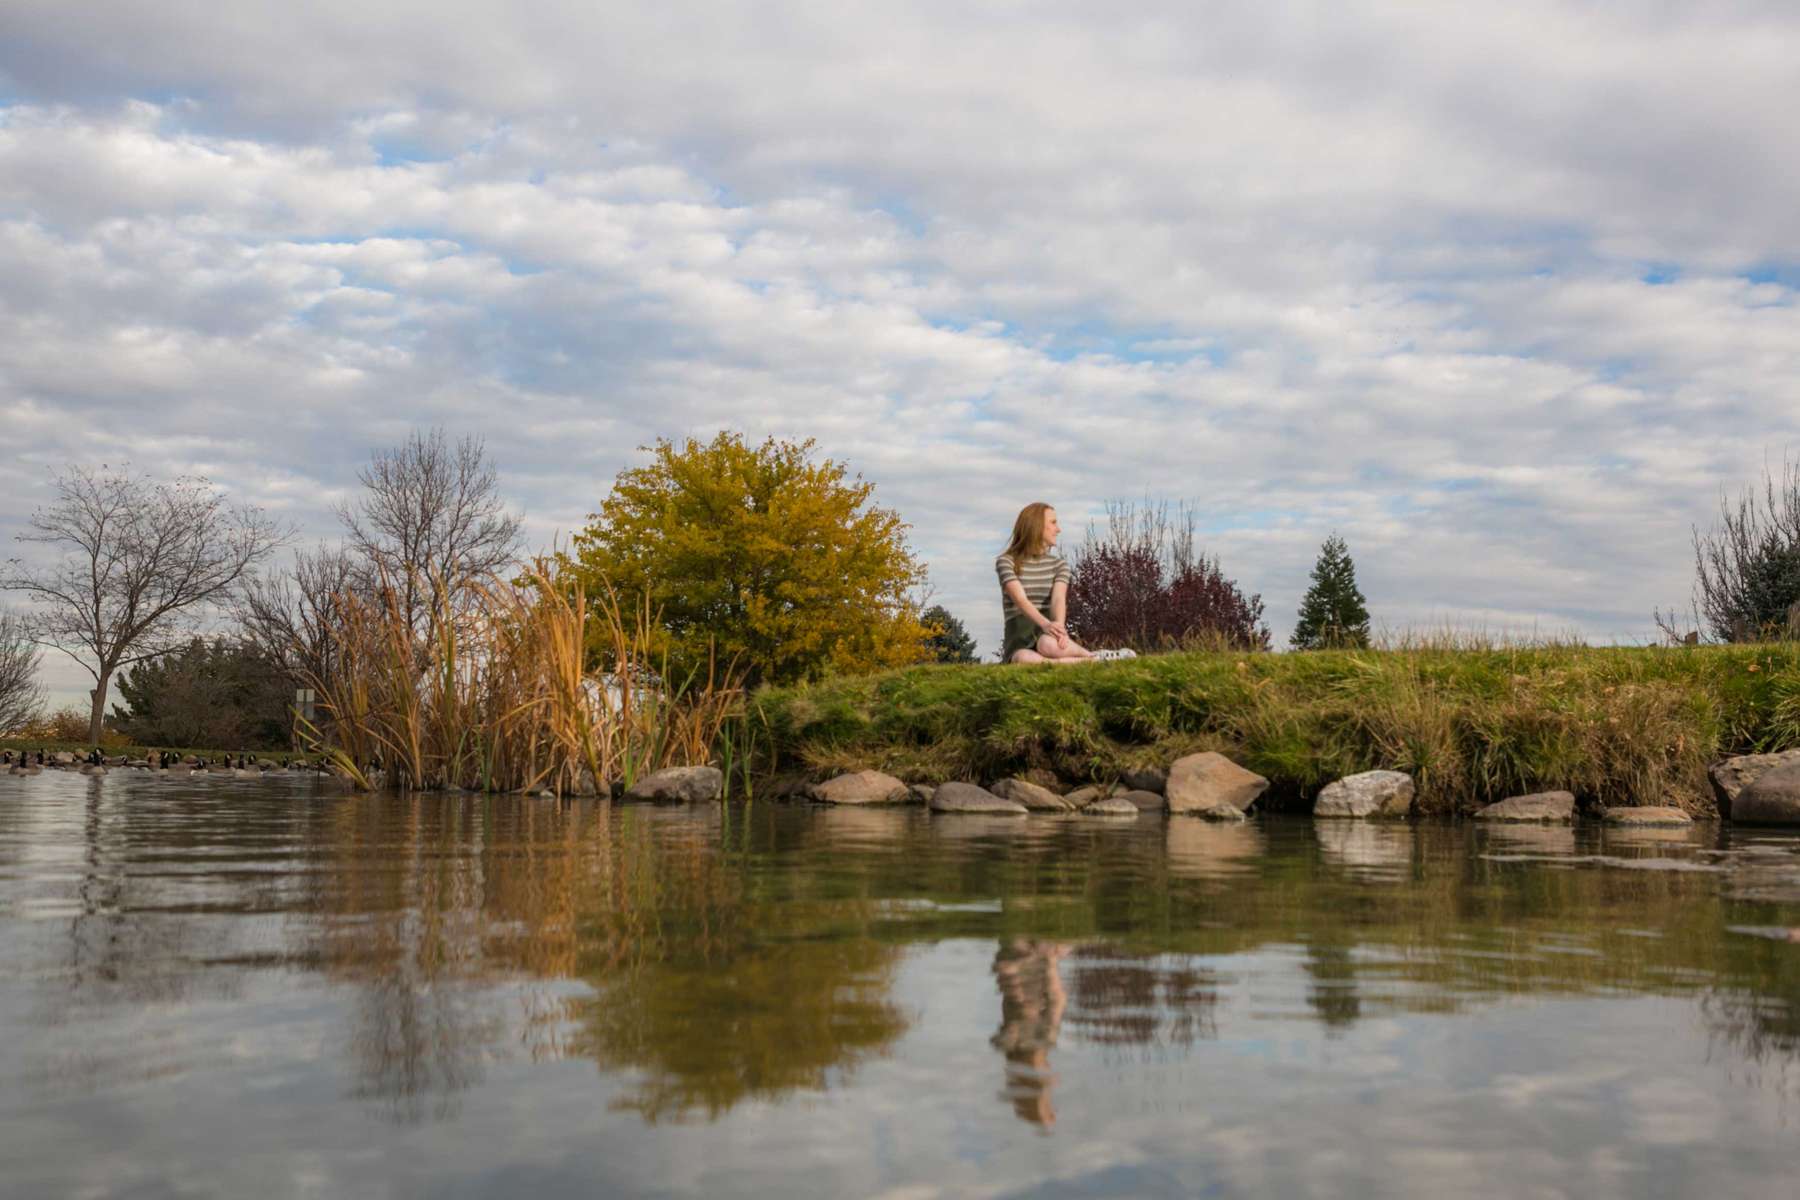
x=242, y=766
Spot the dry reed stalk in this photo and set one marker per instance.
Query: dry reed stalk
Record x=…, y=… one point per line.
x=502, y=696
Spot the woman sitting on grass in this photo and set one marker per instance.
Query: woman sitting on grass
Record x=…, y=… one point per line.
x=1035, y=579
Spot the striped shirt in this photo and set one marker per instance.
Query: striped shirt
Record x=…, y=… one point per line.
x=1036, y=575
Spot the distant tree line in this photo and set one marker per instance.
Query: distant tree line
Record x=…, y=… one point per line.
x=758, y=560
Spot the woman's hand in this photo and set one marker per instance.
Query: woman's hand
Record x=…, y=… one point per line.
x=1059, y=631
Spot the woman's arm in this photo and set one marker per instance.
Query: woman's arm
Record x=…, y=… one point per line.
x=1015, y=591
x=1059, y=607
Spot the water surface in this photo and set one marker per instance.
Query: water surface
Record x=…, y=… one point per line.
x=272, y=988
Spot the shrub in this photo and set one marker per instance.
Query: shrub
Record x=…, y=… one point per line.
x=66, y=724
x=1747, y=569
x=1141, y=583
x=217, y=693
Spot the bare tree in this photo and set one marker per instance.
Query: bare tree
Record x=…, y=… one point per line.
x=21, y=699
x=430, y=516
x=139, y=560
x=295, y=617
x=1747, y=569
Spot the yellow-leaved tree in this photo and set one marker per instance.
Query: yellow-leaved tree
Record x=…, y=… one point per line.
x=775, y=562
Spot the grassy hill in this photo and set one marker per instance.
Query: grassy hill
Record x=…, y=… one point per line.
x=1615, y=725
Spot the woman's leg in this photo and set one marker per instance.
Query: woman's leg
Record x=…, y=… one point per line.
x=1068, y=651
x=1026, y=657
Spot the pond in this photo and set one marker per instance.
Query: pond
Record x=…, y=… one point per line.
x=276, y=988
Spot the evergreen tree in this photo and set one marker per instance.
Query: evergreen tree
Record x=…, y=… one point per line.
x=948, y=641
x=218, y=694
x=1333, y=613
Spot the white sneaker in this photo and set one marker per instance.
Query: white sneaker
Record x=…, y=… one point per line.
x=1114, y=655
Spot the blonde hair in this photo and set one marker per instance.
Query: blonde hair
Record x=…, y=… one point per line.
x=1028, y=533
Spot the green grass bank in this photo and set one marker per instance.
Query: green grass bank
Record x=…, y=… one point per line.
x=1614, y=725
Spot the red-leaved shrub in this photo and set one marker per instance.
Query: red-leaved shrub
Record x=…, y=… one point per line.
x=1142, y=584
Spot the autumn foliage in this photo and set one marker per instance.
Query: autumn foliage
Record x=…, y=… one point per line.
x=1141, y=583
x=759, y=557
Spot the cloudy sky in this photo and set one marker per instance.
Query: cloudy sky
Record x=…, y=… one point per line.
x=1503, y=293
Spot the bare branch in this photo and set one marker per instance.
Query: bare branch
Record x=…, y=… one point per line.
x=296, y=618
x=430, y=515
x=138, y=562
x=21, y=699
x=1747, y=569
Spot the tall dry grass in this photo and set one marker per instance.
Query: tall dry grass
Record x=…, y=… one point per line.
x=502, y=696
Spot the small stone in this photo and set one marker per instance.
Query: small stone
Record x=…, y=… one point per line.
x=860, y=787
x=1145, y=779
x=1367, y=794
x=1222, y=811
x=63, y=758
x=1538, y=806
x=1112, y=806
x=1033, y=796
x=790, y=786
x=919, y=793
x=967, y=798
x=1773, y=799
x=1081, y=797
x=1733, y=775
x=678, y=785
x=1144, y=801
x=1201, y=781
x=1045, y=779
x=1647, y=815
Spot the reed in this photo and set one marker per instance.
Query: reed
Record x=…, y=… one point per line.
x=504, y=694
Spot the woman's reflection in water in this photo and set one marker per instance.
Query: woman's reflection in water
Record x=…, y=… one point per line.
x=1032, y=1000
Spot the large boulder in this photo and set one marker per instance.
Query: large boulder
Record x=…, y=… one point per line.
x=1112, y=806
x=1647, y=815
x=63, y=758
x=678, y=785
x=967, y=798
x=1033, y=796
x=1368, y=794
x=1538, y=806
x=1773, y=799
x=1732, y=776
x=1203, y=781
x=860, y=787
